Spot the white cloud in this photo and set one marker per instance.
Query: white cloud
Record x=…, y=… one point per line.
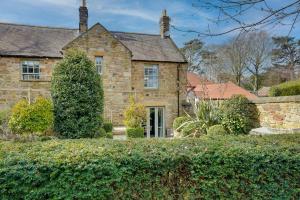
x=132, y=12
x=59, y=3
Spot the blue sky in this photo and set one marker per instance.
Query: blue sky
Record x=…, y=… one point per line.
x=124, y=15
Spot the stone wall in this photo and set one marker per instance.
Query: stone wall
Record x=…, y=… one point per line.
x=279, y=112
x=167, y=93
x=13, y=88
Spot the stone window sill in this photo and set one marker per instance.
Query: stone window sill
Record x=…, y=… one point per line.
x=35, y=81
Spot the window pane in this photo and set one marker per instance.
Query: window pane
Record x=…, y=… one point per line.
x=36, y=70
x=25, y=70
x=98, y=63
x=151, y=76
x=30, y=70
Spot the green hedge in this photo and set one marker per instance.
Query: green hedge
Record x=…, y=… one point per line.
x=231, y=167
x=137, y=132
x=286, y=89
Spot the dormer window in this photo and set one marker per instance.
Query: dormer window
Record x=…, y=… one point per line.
x=99, y=64
x=30, y=70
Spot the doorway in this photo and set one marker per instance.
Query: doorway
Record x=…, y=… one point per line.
x=155, y=122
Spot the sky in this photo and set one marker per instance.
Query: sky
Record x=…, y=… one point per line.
x=128, y=15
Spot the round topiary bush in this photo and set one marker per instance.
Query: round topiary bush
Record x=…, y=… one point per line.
x=137, y=132
x=77, y=97
x=239, y=115
x=216, y=130
x=36, y=117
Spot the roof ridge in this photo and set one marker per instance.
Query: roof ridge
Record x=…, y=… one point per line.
x=38, y=26
x=152, y=34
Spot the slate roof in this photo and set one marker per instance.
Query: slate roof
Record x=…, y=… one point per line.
x=150, y=47
x=35, y=41
x=38, y=41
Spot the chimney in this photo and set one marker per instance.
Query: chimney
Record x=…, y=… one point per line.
x=83, y=17
x=164, y=25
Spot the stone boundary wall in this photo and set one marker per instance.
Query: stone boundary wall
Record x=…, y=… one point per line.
x=279, y=112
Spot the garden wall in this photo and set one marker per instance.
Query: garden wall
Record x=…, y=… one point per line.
x=279, y=112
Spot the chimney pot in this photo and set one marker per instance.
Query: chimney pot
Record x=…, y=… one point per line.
x=164, y=24
x=83, y=17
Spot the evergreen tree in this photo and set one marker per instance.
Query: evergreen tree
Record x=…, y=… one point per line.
x=77, y=97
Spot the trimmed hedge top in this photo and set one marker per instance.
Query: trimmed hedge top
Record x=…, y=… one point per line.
x=233, y=167
x=289, y=88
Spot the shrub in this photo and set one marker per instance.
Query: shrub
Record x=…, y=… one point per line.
x=108, y=127
x=109, y=135
x=31, y=118
x=225, y=167
x=179, y=121
x=206, y=114
x=286, y=89
x=191, y=129
x=135, y=114
x=239, y=115
x=77, y=96
x=101, y=133
x=216, y=130
x=137, y=132
x=4, y=117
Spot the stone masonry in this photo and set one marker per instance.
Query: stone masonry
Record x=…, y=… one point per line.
x=13, y=88
x=279, y=112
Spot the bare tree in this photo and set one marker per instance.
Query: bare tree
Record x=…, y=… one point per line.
x=286, y=53
x=234, y=11
x=260, y=48
x=234, y=56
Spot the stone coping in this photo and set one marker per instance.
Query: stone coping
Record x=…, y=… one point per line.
x=282, y=99
x=272, y=131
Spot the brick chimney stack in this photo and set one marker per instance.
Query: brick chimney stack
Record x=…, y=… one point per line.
x=83, y=17
x=164, y=24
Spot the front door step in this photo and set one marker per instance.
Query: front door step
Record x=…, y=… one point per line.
x=119, y=130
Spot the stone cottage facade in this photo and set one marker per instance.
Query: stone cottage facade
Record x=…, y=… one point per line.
x=148, y=66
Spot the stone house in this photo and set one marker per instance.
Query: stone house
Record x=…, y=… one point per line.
x=148, y=66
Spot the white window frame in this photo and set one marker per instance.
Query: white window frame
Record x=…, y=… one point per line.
x=163, y=125
x=30, y=70
x=151, y=77
x=99, y=65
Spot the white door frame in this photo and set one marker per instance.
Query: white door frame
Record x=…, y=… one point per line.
x=156, y=121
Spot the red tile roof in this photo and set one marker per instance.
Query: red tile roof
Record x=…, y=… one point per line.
x=195, y=79
x=221, y=91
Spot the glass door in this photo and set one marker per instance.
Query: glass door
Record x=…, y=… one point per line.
x=155, y=122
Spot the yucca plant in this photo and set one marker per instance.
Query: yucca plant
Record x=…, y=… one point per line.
x=205, y=114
